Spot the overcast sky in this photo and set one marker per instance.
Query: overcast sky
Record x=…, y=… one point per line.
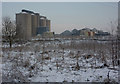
x=69, y=15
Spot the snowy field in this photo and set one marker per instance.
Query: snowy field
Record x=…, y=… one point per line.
x=59, y=61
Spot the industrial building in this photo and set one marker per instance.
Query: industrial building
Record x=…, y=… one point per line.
x=87, y=32
x=29, y=24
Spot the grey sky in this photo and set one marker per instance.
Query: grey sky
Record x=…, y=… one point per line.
x=69, y=15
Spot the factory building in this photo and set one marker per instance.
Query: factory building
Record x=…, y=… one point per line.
x=87, y=32
x=29, y=24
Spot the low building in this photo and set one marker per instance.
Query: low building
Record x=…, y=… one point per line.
x=102, y=34
x=42, y=30
x=48, y=34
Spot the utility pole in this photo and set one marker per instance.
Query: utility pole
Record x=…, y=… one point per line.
x=113, y=47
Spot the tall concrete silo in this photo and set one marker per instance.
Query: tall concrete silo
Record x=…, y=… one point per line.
x=42, y=22
x=23, y=30
x=35, y=24
x=38, y=19
x=48, y=24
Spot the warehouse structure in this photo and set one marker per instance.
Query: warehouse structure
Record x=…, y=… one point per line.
x=29, y=24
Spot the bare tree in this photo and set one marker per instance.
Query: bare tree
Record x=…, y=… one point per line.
x=8, y=29
x=118, y=42
x=114, y=45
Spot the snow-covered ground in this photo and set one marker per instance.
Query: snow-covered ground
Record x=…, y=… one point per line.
x=58, y=61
